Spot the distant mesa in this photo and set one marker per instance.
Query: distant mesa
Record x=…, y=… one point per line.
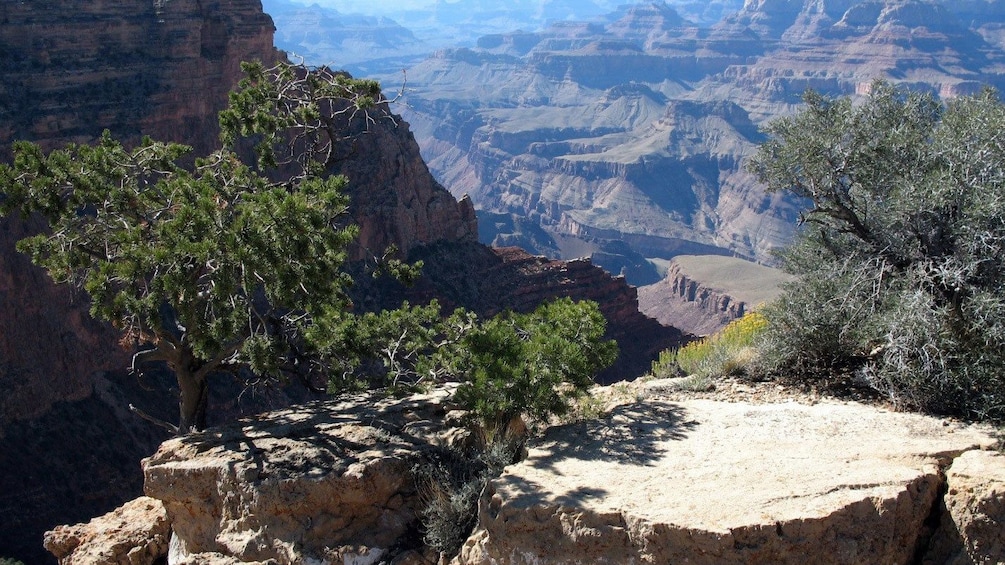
x=633, y=128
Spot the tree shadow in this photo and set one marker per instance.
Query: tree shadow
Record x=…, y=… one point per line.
x=316, y=438
x=306, y=440
x=635, y=434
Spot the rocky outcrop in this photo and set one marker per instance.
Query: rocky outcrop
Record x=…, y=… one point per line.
x=136, y=533
x=328, y=482
x=654, y=480
x=687, y=304
x=701, y=294
x=637, y=127
x=702, y=481
x=973, y=521
x=393, y=198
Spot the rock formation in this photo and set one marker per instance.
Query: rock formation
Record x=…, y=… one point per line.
x=973, y=523
x=330, y=482
x=136, y=533
x=701, y=481
x=393, y=198
x=692, y=306
x=701, y=294
x=654, y=480
x=634, y=129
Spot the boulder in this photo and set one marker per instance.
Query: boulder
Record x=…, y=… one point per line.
x=973, y=519
x=704, y=481
x=136, y=533
x=329, y=481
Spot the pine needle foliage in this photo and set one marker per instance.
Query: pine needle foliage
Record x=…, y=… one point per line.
x=214, y=267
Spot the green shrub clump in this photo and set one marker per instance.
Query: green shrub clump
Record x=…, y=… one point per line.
x=901, y=256
x=533, y=364
x=727, y=352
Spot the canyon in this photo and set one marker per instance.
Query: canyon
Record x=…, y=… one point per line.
x=630, y=131
x=69, y=444
x=367, y=38
x=548, y=132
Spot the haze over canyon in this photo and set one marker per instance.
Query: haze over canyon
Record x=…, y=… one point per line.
x=614, y=133
x=622, y=137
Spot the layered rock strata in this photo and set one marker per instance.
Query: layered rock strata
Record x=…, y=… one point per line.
x=157, y=68
x=634, y=128
x=701, y=294
x=328, y=482
x=68, y=444
x=702, y=481
x=689, y=304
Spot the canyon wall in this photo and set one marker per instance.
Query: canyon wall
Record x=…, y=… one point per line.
x=70, y=71
x=136, y=68
x=702, y=293
x=691, y=305
x=634, y=128
x=69, y=446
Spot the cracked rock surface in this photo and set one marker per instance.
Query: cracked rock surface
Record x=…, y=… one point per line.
x=327, y=482
x=704, y=481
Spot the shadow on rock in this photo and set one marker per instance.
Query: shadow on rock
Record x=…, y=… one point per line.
x=634, y=433
x=314, y=439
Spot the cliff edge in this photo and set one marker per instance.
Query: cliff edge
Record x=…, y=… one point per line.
x=655, y=479
x=702, y=293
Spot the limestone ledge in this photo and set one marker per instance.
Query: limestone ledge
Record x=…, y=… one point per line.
x=651, y=481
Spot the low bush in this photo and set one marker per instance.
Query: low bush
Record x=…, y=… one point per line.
x=450, y=484
x=727, y=352
x=901, y=256
x=531, y=364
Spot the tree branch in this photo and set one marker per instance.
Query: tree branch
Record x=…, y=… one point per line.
x=146, y=356
x=218, y=359
x=155, y=421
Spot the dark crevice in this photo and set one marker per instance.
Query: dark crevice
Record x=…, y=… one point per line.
x=935, y=543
